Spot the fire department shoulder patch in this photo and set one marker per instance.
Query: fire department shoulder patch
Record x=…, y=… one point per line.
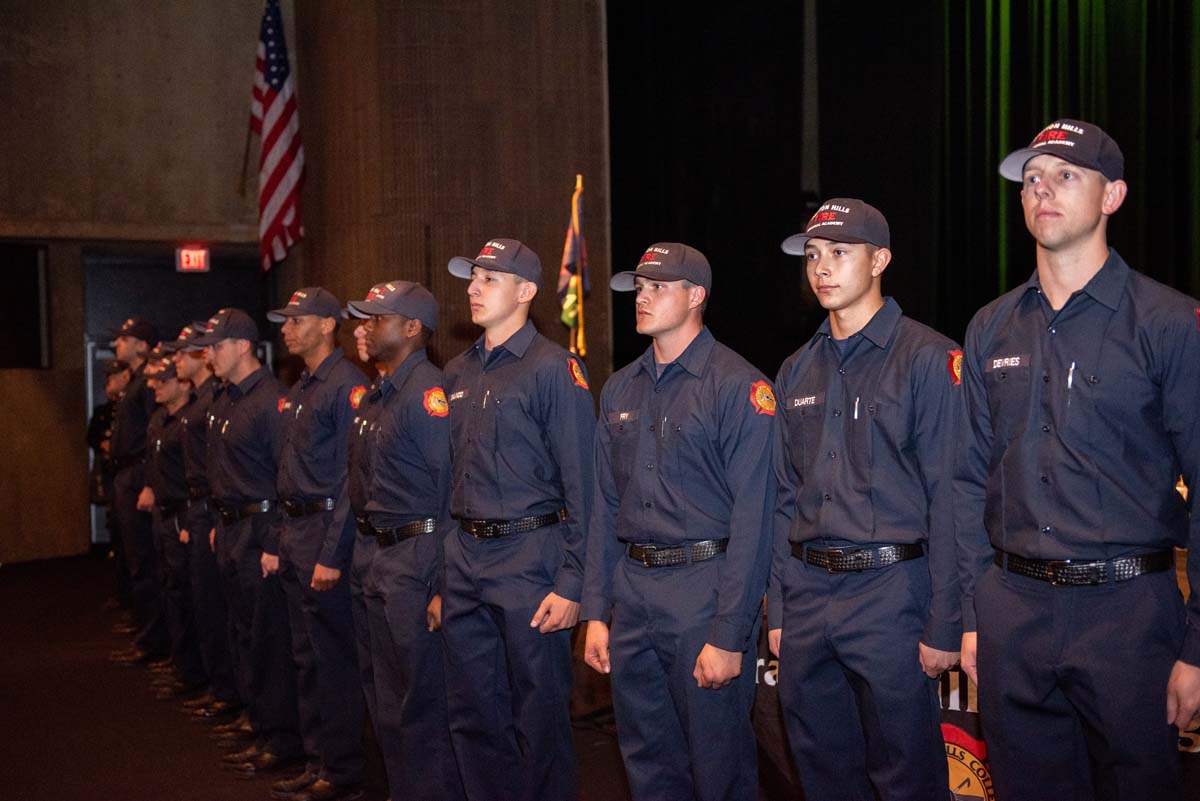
x=356, y=396
x=762, y=398
x=435, y=402
x=282, y=403
x=577, y=374
x=954, y=365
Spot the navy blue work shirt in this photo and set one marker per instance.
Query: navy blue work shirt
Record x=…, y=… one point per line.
x=316, y=416
x=1079, y=423
x=195, y=438
x=131, y=417
x=521, y=439
x=359, y=468
x=406, y=450
x=685, y=457
x=164, y=457
x=248, y=440
x=865, y=449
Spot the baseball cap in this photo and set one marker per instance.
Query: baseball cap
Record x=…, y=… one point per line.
x=315, y=300
x=227, y=324
x=842, y=219
x=162, y=369
x=398, y=297
x=186, y=336
x=138, y=328
x=666, y=261
x=501, y=255
x=1078, y=142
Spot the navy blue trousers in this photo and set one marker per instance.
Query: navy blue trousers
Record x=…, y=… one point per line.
x=141, y=560
x=258, y=617
x=508, y=685
x=410, y=680
x=679, y=742
x=208, y=605
x=1073, y=687
x=863, y=720
x=177, y=600
x=329, y=700
x=360, y=568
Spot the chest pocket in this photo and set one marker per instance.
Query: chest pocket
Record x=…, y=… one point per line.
x=1008, y=380
x=624, y=429
x=804, y=417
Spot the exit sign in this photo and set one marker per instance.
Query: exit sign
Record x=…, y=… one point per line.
x=191, y=260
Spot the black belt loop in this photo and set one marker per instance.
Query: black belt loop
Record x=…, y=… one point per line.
x=491, y=529
x=302, y=508
x=856, y=560
x=1085, y=572
x=650, y=555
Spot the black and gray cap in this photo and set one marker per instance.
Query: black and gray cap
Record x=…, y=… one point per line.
x=666, y=261
x=500, y=255
x=1078, y=142
x=842, y=219
x=405, y=298
x=311, y=300
x=227, y=324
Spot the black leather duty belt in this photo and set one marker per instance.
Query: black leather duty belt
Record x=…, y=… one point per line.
x=387, y=537
x=855, y=560
x=196, y=493
x=232, y=514
x=1081, y=573
x=658, y=556
x=302, y=508
x=491, y=529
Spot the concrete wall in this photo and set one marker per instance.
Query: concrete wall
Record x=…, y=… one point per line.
x=123, y=121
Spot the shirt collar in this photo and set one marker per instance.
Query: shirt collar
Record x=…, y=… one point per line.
x=516, y=344
x=396, y=379
x=322, y=371
x=248, y=383
x=693, y=359
x=1106, y=286
x=878, y=330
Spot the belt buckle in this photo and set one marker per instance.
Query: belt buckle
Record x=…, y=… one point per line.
x=264, y=506
x=646, y=551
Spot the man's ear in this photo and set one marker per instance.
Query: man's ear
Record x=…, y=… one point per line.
x=880, y=261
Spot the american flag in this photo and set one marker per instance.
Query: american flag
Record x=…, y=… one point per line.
x=274, y=117
x=573, y=281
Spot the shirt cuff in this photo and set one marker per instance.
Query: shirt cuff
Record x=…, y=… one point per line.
x=1190, y=653
x=944, y=635
x=728, y=636
x=968, y=613
x=568, y=584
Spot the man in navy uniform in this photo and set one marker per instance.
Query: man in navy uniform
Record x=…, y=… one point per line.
x=133, y=527
x=679, y=542
x=1081, y=388
x=315, y=547
x=208, y=600
x=248, y=429
x=521, y=418
x=165, y=498
x=863, y=605
x=405, y=510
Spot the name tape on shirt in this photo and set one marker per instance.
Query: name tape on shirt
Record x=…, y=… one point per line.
x=805, y=401
x=1006, y=362
x=356, y=396
x=435, y=402
x=954, y=365
x=623, y=417
x=762, y=398
x=577, y=374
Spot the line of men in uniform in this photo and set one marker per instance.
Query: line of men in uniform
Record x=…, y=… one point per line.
x=423, y=543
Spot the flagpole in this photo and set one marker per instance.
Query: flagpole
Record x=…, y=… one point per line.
x=241, y=187
x=581, y=346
